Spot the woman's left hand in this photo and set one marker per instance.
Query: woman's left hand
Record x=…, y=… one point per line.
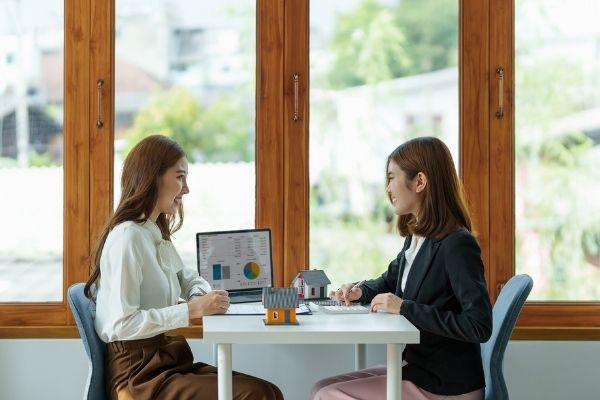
x=386, y=302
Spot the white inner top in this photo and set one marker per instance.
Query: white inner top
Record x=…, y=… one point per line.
x=409, y=256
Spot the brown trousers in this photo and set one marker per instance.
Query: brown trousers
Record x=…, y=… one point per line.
x=162, y=368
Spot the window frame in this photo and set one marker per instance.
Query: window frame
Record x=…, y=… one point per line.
x=282, y=188
x=54, y=319
x=88, y=162
x=541, y=320
x=486, y=166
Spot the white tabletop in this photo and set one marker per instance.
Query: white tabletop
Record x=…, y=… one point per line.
x=313, y=329
x=319, y=328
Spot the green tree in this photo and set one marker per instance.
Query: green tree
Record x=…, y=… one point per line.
x=222, y=131
x=368, y=46
x=431, y=30
x=376, y=42
x=554, y=168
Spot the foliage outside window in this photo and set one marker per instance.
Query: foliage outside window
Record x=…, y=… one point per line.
x=385, y=73
x=557, y=149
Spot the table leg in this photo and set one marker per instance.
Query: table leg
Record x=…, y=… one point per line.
x=214, y=355
x=394, y=371
x=224, y=371
x=360, y=356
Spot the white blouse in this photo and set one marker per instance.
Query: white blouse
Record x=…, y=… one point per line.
x=142, y=279
x=409, y=256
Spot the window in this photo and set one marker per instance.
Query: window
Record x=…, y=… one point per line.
x=557, y=136
x=90, y=145
x=51, y=152
x=380, y=73
x=562, y=305
x=283, y=186
x=31, y=151
x=487, y=150
x=196, y=84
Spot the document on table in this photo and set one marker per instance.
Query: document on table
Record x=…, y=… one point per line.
x=258, y=309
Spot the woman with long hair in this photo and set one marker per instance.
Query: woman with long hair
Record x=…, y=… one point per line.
x=138, y=279
x=436, y=282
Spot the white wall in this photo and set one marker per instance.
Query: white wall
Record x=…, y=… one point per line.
x=36, y=369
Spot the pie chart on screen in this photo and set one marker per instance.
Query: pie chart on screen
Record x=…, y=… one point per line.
x=251, y=270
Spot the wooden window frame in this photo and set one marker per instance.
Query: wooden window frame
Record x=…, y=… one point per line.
x=88, y=161
x=55, y=319
x=541, y=320
x=282, y=187
x=486, y=164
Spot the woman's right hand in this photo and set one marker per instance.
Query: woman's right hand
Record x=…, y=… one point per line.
x=214, y=302
x=346, y=293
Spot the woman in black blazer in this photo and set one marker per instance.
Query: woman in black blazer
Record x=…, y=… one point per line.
x=436, y=282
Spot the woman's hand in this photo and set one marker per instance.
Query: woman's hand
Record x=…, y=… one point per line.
x=214, y=302
x=346, y=293
x=386, y=302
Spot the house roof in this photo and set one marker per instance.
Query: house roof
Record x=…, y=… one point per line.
x=280, y=298
x=130, y=78
x=315, y=277
x=42, y=128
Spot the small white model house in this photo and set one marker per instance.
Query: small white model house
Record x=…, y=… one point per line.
x=311, y=284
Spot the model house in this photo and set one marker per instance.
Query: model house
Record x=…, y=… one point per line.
x=280, y=306
x=311, y=284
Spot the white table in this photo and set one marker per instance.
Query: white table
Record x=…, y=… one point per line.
x=319, y=328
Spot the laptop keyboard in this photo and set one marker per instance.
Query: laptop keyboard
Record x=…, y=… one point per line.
x=249, y=293
x=245, y=297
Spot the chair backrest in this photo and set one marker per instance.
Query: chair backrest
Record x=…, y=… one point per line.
x=84, y=311
x=506, y=311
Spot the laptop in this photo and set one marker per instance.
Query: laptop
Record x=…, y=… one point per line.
x=237, y=261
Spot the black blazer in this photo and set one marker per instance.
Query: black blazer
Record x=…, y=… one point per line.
x=446, y=298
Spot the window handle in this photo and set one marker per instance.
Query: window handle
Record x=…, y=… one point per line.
x=500, y=75
x=99, y=119
x=296, y=82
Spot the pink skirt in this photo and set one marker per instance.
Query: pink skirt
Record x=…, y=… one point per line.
x=370, y=384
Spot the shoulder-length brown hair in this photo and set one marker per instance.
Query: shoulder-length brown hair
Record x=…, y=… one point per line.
x=443, y=208
x=143, y=167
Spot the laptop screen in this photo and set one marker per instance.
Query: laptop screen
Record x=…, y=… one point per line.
x=235, y=260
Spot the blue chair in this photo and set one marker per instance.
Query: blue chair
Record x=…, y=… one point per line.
x=506, y=311
x=84, y=311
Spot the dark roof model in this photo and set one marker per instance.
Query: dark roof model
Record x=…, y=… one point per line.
x=280, y=298
x=315, y=277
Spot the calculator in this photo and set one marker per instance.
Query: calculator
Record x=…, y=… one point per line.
x=321, y=302
x=343, y=309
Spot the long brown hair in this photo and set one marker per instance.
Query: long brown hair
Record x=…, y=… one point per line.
x=143, y=167
x=444, y=208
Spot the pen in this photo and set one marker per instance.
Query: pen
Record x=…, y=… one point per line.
x=201, y=292
x=357, y=284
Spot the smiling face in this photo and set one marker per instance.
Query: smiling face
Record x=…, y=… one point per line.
x=172, y=185
x=405, y=194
